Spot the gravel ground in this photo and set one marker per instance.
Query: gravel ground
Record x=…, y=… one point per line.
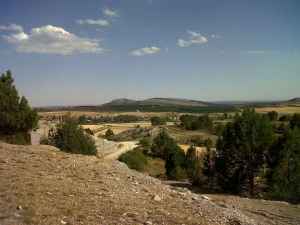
x=42, y=185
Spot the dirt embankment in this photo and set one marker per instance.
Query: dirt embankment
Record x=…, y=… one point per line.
x=42, y=185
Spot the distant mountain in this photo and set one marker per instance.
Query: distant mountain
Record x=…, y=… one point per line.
x=294, y=100
x=164, y=105
x=121, y=101
x=159, y=102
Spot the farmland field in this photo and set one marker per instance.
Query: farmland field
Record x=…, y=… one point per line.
x=279, y=109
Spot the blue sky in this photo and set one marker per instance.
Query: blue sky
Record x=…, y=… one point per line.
x=89, y=52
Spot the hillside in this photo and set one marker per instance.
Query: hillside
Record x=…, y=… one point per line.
x=294, y=101
x=165, y=105
x=160, y=102
x=41, y=185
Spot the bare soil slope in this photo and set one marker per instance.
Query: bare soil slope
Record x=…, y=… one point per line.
x=42, y=185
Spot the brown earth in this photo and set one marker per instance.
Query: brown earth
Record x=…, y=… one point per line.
x=42, y=185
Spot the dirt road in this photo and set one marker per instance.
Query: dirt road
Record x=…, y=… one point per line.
x=122, y=147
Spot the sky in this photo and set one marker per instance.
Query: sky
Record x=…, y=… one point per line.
x=74, y=52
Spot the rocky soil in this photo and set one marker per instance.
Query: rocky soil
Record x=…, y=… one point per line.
x=42, y=185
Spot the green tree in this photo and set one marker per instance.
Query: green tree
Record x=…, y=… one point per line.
x=191, y=159
x=15, y=112
x=166, y=148
x=175, y=162
x=295, y=121
x=70, y=137
x=273, y=115
x=161, y=144
x=145, y=143
x=285, y=177
x=208, y=162
x=191, y=122
x=241, y=149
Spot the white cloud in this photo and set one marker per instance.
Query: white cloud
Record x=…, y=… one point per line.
x=194, y=39
x=53, y=40
x=12, y=27
x=145, y=51
x=110, y=12
x=99, y=22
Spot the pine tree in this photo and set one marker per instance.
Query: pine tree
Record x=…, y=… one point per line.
x=241, y=149
x=208, y=162
x=15, y=112
x=285, y=180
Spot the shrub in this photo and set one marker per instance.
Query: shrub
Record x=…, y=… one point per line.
x=109, y=134
x=145, y=143
x=134, y=159
x=70, y=137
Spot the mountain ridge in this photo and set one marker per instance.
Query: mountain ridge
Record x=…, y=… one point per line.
x=159, y=101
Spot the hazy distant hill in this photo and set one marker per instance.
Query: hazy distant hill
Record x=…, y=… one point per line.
x=294, y=100
x=170, y=105
x=165, y=105
x=159, y=102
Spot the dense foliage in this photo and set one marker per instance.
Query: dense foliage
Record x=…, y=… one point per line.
x=166, y=148
x=295, y=121
x=16, y=116
x=157, y=121
x=285, y=173
x=273, y=115
x=169, y=108
x=241, y=150
x=191, y=122
x=70, y=137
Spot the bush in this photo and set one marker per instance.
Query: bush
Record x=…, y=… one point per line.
x=109, y=134
x=134, y=159
x=70, y=137
x=145, y=144
x=16, y=116
x=19, y=138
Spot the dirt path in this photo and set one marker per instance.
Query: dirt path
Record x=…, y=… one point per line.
x=122, y=147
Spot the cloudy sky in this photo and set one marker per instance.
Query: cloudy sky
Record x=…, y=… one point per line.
x=75, y=52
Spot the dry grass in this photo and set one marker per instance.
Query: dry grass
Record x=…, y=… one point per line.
x=183, y=136
x=115, y=127
x=86, y=113
x=43, y=186
x=279, y=109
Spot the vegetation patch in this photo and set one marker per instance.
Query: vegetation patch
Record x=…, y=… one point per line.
x=70, y=137
x=134, y=159
x=16, y=116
